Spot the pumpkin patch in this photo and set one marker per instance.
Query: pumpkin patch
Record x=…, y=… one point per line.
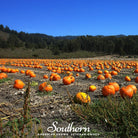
x=56, y=84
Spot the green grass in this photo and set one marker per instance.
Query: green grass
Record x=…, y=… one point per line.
x=44, y=53
x=4, y=80
x=118, y=116
x=34, y=83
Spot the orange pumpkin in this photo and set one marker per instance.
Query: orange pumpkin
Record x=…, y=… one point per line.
x=22, y=71
x=45, y=87
x=100, y=77
x=92, y=88
x=136, y=71
x=82, y=97
x=106, y=71
x=32, y=74
x=27, y=72
x=133, y=87
x=3, y=75
x=99, y=72
x=126, y=92
x=108, y=90
x=54, y=77
x=108, y=75
x=88, y=75
x=136, y=79
x=114, y=73
x=18, y=84
x=42, y=86
x=45, y=76
x=116, y=85
x=67, y=80
x=72, y=79
x=127, y=78
x=48, y=88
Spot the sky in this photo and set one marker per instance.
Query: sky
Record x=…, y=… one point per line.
x=71, y=17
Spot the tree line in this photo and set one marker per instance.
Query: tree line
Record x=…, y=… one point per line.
x=120, y=44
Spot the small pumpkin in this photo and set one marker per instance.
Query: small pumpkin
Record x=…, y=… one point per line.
x=82, y=97
x=136, y=71
x=18, y=84
x=45, y=76
x=92, y=88
x=99, y=72
x=87, y=76
x=32, y=74
x=42, y=86
x=114, y=72
x=48, y=88
x=72, y=79
x=108, y=75
x=27, y=72
x=45, y=87
x=106, y=71
x=22, y=71
x=108, y=90
x=127, y=78
x=55, y=77
x=100, y=77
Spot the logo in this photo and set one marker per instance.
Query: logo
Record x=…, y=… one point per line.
x=54, y=129
x=69, y=128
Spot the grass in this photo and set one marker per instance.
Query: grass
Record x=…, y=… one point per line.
x=4, y=80
x=118, y=116
x=44, y=53
x=34, y=83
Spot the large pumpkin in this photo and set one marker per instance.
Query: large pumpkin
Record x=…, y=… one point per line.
x=126, y=92
x=136, y=79
x=67, y=80
x=108, y=90
x=116, y=85
x=82, y=97
x=133, y=87
x=18, y=84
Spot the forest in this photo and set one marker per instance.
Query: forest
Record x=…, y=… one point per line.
x=117, y=44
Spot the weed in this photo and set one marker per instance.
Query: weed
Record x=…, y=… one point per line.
x=120, y=116
x=24, y=125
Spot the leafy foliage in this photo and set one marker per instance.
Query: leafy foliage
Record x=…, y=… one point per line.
x=118, y=115
x=123, y=45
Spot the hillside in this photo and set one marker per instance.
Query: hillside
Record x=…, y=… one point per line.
x=4, y=36
x=64, y=46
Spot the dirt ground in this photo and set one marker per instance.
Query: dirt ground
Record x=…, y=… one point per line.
x=56, y=106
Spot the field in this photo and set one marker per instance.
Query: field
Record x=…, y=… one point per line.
x=59, y=105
